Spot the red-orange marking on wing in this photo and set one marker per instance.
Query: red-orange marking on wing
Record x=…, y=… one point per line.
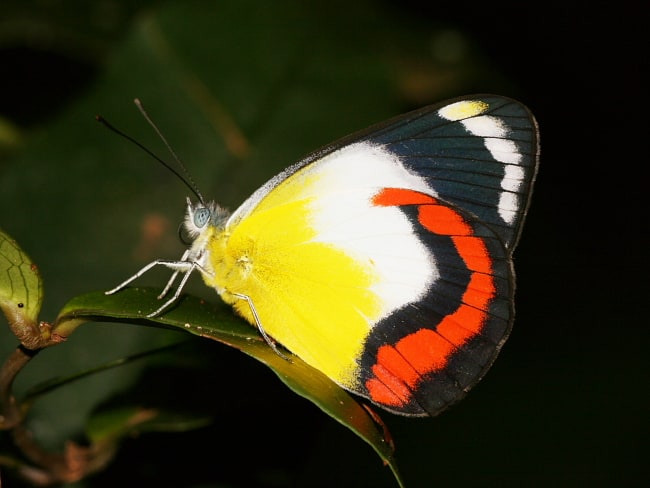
x=396, y=197
x=443, y=221
x=393, y=361
x=401, y=366
x=386, y=388
x=473, y=251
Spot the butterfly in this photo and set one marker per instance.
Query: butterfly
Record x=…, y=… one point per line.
x=383, y=260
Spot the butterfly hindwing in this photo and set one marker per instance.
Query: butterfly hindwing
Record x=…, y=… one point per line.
x=426, y=355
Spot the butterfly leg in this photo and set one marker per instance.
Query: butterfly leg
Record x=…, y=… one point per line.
x=186, y=269
x=258, y=323
x=168, y=285
x=135, y=276
x=173, y=277
x=182, y=266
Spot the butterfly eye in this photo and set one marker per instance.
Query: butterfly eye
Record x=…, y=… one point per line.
x=201, y=217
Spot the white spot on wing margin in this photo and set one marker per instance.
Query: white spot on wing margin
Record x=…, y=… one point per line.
x=494, y=133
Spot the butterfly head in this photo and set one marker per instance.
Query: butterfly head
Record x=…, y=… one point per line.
x=200, y=215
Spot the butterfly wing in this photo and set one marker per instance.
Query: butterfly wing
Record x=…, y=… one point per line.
x=384, y=260
x=480, y=155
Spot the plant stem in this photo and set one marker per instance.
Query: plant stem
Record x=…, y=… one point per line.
x=48, y=468
x=10, y=413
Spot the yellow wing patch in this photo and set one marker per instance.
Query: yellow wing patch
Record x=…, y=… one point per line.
x=311, y=296
x=463, y=109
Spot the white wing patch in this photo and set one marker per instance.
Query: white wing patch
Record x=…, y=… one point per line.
x=495, y=137
x=381, y=237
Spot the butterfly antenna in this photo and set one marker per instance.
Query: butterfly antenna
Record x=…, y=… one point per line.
x=185, y=177
x=189, y=181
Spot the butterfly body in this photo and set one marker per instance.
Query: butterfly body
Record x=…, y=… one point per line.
x=384, y=260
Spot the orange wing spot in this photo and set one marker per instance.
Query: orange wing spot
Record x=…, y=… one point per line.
x=455, y=331
x=426, y=350
x=389, y=358
x=480, y=291
x=443, y=221
x=386, y=388
x=395, y=197
x=471, y=320
x=380, y=393
x=471, y=314
x=473, y=251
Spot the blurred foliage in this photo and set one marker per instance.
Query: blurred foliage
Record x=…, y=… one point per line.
x=52, y=50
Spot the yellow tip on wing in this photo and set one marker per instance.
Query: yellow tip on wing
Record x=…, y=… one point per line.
x=463, y=109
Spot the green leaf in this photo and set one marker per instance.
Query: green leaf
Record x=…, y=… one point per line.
x=196, y=316
x=21, y=292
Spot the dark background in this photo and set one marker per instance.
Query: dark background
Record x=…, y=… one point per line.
x=566, y=403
